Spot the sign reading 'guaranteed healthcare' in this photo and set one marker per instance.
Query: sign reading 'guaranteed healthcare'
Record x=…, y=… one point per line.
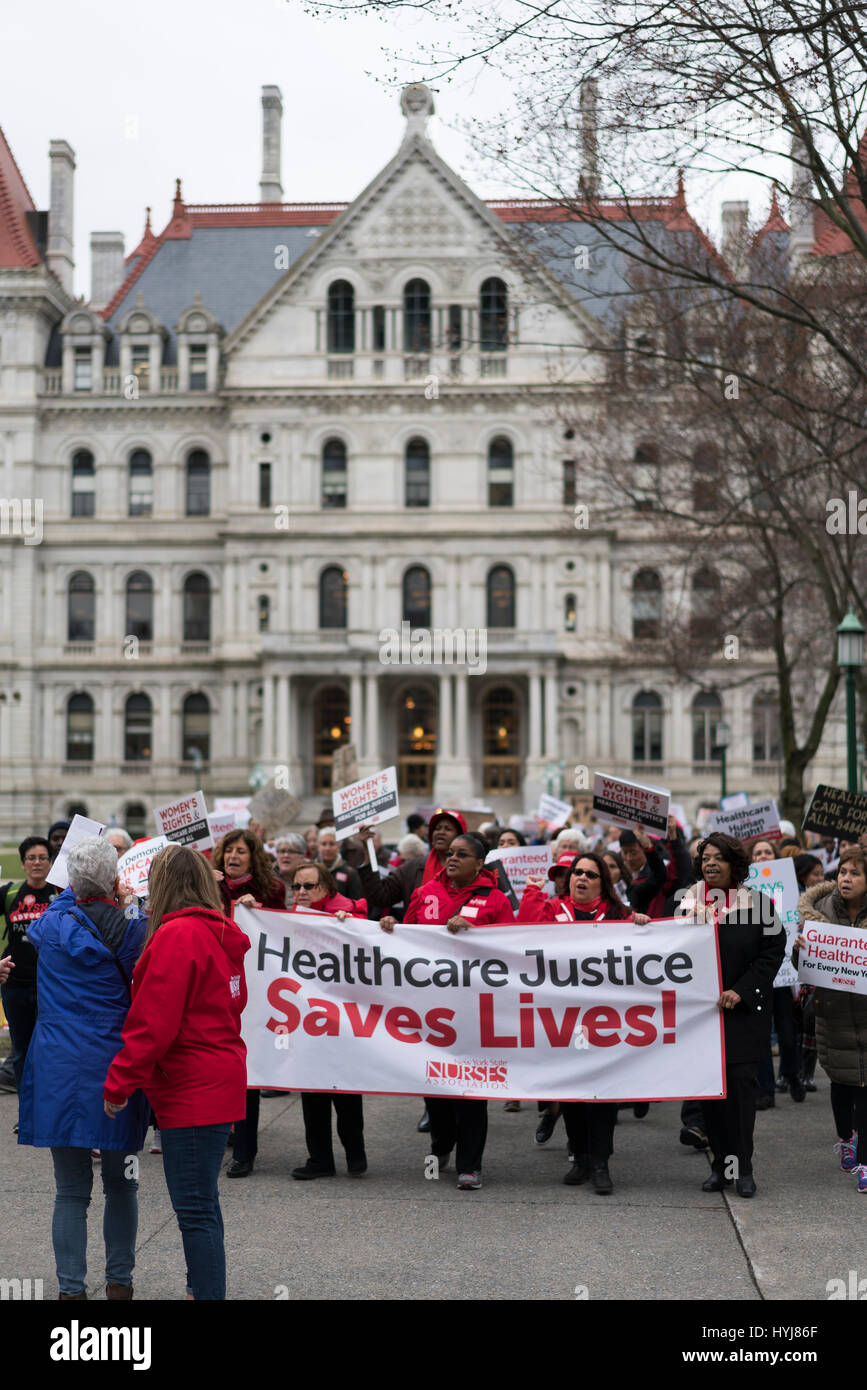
x=835, y=957
x=578, y=1014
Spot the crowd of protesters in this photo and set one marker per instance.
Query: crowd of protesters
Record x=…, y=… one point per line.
x=125, y=1014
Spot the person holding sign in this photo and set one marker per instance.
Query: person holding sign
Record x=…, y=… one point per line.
x=752, y=944
x=22, y=904
x=841, y=1016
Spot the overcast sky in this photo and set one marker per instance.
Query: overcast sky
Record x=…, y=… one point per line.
x=145, y=94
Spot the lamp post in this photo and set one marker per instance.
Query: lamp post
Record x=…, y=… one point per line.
x=722, y=734
x=850, y=658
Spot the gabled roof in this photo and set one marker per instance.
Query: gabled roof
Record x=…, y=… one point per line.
x=17, y=246
x=831, y=240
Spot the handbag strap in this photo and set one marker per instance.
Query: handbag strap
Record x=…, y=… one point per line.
x=94, y=931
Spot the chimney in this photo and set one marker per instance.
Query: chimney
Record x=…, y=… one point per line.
x=735, y=232
x=800, y=204
x=589, y=138
x=60, y=216
x=270, y=187
x=107, y=269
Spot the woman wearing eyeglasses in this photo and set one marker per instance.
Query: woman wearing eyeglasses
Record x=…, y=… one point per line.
x=21, y=903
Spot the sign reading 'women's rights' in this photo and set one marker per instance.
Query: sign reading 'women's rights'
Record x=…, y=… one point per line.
x=623, y=1013
x=368, y=802
x=617, y=802
x=834, y=957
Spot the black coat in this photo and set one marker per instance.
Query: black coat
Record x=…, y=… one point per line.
x=647, y=882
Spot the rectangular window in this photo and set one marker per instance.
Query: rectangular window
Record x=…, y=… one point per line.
x=198, y=367
x=141, y=365
x=83, y=497
x=265, y=485
x=568, y=482
x=141, y=494
x=455, y=337
x=83, y=369
x=378, y=344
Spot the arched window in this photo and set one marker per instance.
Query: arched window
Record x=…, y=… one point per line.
x=197, y=608
x=570, y=613
x=76, y=808
x=417, y=739
x=501, y=740
x=416, y=316
x=417, y=597
x=196, y=728
x=333, y=582
x=646, y=606
x=767, y=738
x=417, y=473
x=198, y=483
x=135, y=819
x=704, y=613
x=647, y=727
x=501, y=596
x=706, y=714
x=137, y=722
x=141, y=483
x=79, y=729
x=493, y=315
x=645, y=477
x=645, y=368
x=83, y=483
x=501, y=472
x=705, y=478
x=81, y=608
x=341, y=317
x=140, y=606
x=334, y=473
x=332, y=726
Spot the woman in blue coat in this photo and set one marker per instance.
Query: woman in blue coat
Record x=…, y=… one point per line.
x=87, y=947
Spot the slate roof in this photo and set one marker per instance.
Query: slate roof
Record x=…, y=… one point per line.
x=17, y=244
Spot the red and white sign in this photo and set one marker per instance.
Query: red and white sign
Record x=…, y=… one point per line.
x=368, y=802
x=521, y=860
x=553, y=811
x=560, y=1013
x=134, y=867
x=834, y=957
x=238, y=804
x=758, y=821
x=220, y=823
x=617, y=802
x=185, y=821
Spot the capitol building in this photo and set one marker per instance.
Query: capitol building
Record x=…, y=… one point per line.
x=276, y=436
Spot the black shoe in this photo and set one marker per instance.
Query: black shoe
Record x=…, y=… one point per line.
x=423, y=1126
x=782, y=1083
x=600, y=1177
x=641, y=1109
x=355, y=1167
x=715, y=1183
x=239, y=1169
x=809, y=1085
x=443, y=1160
x=578, y=1173
x=272, y=1095
x=765, y=1102
x=545, y=1127
x=311, y=1170
x=797, y=1089
x=694, y=1137
x=745, y=1186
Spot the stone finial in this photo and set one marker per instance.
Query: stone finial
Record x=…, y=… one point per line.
x=417, y=105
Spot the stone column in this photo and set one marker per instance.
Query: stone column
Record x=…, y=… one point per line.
x=462, y=710
x=267, y=718
x=551, y=702
x=445, y=740
x=535, y=744
x=356, y=713
x=371, y=693
x=283, y=750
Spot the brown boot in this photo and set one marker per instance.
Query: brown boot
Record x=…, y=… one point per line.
x=73, y=1297
x=118, y=1292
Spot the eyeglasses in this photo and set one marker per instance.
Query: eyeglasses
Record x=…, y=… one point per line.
x=37, y=859
x=584, y=873
x=300, y=887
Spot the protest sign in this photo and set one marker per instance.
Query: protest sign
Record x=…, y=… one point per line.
x=344, y=765
x=185, y=821
x=836, y=813
x=134, y=867
x=368, y=802
x=778, y=880
x=220, y=823
x=760, y=821
x=553, y=811
x=80, y=827
x=834, y=957
x=273, y=808
x=617, y=802
x=676, y=809
x=735, y=801
x=474, y=818
x=528, y=825
x=521, y=860
x=340, y=1006
x=239, y=804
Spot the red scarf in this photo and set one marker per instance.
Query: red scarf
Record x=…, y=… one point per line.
x=715, y=909
x=432, y=867
x=238, y=882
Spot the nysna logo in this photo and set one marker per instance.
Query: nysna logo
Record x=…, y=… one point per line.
x=468, y=1073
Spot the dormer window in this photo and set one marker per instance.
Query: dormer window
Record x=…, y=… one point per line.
x=84, y=336
x=82, y=369
x=140, y=365
x=198, y=367
x=198, y=348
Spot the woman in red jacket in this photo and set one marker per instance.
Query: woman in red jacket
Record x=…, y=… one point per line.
x=182, y=1045
x=469, y=897
x=314, y=890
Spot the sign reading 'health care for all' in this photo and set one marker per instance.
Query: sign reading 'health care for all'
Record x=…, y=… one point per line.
x=368, y=802
x=573, y=1014
x=134, y=867
x=759, y=821
x=837, y=813
x=834, y=957
x=185, y=821
x=617, y=802
x=778, y=880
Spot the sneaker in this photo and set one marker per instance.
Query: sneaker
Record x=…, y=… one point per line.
x=846, y=1150
x=693, y=1136
x=469, y=1182
x=545, y=1127
x=157, y=1143
x=861, y=1174
x=512, y=1107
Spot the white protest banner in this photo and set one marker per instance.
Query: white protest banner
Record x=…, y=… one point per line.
x=617, y=802
x=185, y=821
x=553, y=811
x=273, y=807
x=834, y=957
x=760, y=821
x=677, y=810
x=80, y=827
x=134, y=867
x=625, y=1014
x=778, y=880
x=735, y=801
x=521, y=860
x=239, y=804
x=368, y=802
x=220, y=823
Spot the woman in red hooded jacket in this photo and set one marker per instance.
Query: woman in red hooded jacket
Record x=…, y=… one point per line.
x=182, y=1045
x=467, y=897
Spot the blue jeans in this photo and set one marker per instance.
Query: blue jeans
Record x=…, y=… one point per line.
x=19, y=1006
x=73, y=1177
x=191, y=1162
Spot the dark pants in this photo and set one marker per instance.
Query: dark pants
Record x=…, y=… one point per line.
x=692, y=1115
x=729, y=1123
x=849, y=1104
x=461, y=1123
x=787, y=1038
x=19, y=1006
x=590, y=1128
x=316, y=1108
x=191, y=1162
x=245, y=1142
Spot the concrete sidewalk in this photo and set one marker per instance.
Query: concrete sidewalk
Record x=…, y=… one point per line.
x=396, y=1235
